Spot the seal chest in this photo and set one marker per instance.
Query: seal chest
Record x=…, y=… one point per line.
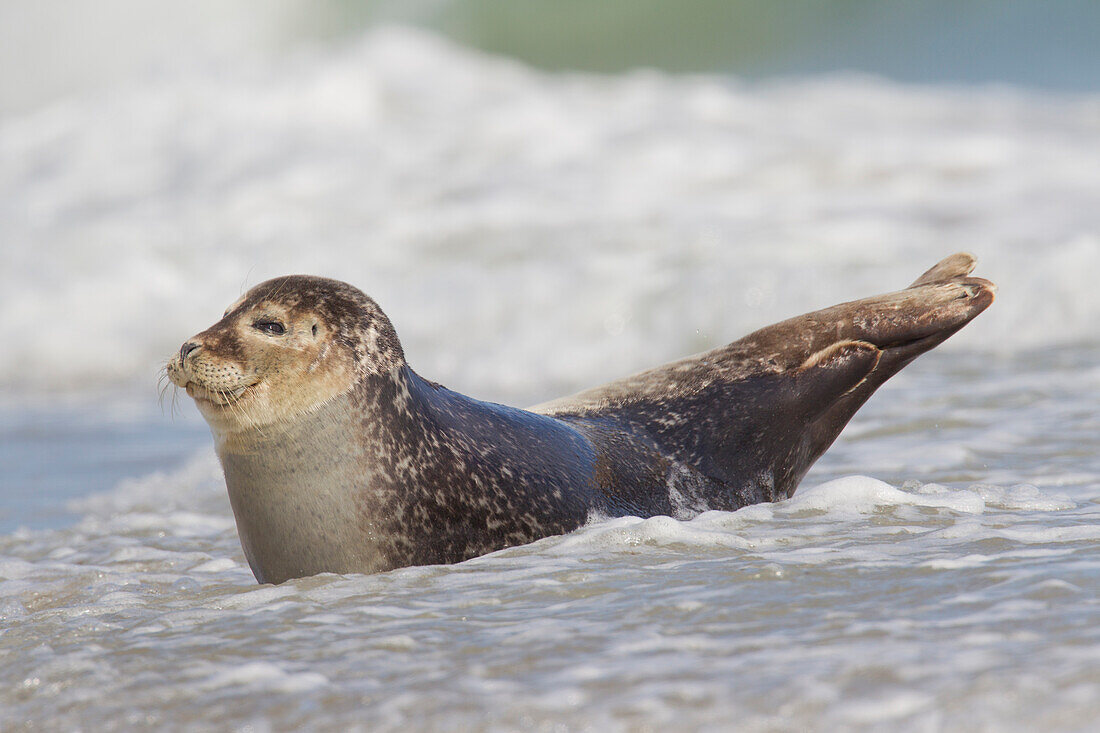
x=297, y=493
x=338, y=457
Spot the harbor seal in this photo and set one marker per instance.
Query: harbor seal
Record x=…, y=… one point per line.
x=338, y=457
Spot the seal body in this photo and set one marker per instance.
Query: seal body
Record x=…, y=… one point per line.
x=338, y=457
x=398, y=471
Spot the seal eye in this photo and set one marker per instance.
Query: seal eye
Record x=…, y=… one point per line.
x=272, y=328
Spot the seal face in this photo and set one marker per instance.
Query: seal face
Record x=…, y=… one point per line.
x=286, y=347
x=338, y=457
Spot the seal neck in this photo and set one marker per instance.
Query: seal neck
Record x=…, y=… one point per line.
x=374, y=406
x=304, y=427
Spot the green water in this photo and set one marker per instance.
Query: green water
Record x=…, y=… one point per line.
x=1024, y=42
x=1042, y=45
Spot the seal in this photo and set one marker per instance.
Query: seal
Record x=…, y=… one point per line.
x=338, y=457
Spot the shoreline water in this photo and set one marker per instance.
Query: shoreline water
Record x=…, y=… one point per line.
x=532, y=234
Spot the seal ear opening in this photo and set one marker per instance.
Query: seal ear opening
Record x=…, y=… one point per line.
x=314, y=330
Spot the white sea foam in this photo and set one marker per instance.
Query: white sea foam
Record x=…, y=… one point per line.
x=266, y=676
x=833, y=592
x=862, y=494
x=649, y=215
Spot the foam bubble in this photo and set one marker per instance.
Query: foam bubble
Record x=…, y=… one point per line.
x=862, y=494
x=1023, y=496
x=268, y=676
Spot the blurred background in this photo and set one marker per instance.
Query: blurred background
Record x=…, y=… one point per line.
x=541, y=195
x=52, y=48
x=544, y=196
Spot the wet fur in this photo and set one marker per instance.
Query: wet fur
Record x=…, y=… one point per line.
x=338, y=457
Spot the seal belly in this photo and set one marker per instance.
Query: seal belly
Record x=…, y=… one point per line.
x=296, y=495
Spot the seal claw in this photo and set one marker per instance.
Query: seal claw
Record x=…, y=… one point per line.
x=949, y=268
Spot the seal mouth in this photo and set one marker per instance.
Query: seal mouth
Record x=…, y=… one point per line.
x=220, y=397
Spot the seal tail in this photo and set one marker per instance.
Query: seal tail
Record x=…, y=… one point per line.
x=935, y=307
x=839, y=356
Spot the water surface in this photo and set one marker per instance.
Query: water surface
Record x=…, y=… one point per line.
x=532, y=234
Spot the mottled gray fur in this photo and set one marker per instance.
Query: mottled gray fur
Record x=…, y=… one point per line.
x=401, y=471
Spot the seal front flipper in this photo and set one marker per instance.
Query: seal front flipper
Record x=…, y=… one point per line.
x=749, y=419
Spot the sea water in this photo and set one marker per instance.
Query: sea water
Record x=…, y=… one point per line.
x=531, y=234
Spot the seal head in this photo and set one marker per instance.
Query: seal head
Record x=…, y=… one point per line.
x=286, y=347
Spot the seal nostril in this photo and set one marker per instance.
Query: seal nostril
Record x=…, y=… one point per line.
x=187, y=348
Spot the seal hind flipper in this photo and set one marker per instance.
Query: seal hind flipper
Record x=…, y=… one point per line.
x=949, y=268
x=754, y=415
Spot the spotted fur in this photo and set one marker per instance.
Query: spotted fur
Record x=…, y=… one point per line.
x=338, y=457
